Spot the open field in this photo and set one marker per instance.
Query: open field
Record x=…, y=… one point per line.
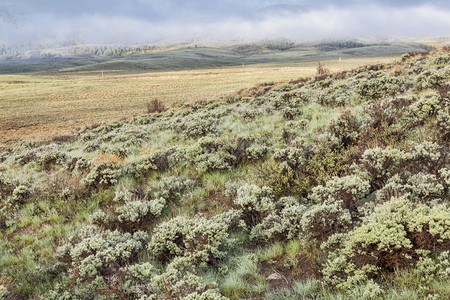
x=38, y=106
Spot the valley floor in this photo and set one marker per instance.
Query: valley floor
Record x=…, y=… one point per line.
x=40, y=106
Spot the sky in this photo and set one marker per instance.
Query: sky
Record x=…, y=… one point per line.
x=147, y=21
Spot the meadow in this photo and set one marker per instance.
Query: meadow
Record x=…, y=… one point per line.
x=42, y=105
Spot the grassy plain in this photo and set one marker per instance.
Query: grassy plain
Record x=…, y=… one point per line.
x=41, y=105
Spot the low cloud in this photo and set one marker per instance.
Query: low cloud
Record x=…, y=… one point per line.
x=148, y=21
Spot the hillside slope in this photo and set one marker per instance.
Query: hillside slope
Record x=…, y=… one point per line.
x=203, y=57
x=332, y=187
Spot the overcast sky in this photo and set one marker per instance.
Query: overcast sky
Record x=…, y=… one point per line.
x=142, y=21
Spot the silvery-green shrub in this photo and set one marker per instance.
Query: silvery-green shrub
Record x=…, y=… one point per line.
x=102, y=175
x=391, y=237
x=189, y=237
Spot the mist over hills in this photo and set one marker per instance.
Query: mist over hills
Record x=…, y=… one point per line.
x=142, y=22
x=189, y=55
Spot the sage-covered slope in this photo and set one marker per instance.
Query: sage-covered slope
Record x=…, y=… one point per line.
x=333, y=187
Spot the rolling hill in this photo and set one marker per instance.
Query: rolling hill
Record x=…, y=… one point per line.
x=200, y=57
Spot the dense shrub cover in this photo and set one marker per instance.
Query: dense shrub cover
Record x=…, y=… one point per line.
x=333, y=187
x=396, y=235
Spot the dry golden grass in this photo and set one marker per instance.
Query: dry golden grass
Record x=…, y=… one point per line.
x=107, y=158
x=35, y=107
